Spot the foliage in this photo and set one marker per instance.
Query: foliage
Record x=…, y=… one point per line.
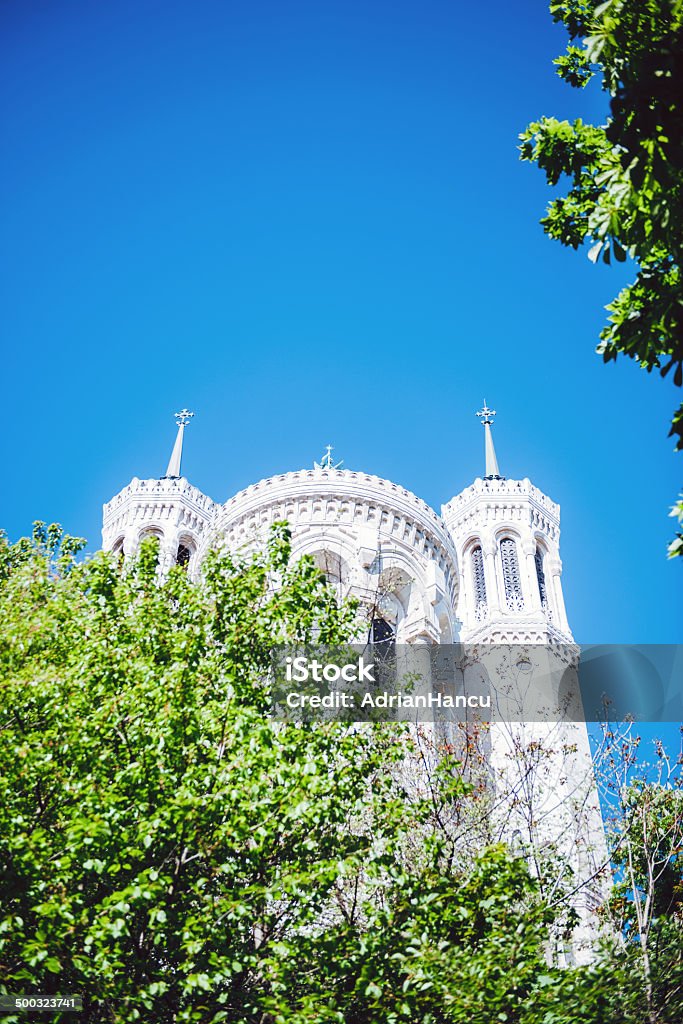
x=647, y=901
x=170, y=853
x=676, y=545
x=649, y=850
x=626, y=178
x=441, y=948
x=637, y=974
x=644, y=812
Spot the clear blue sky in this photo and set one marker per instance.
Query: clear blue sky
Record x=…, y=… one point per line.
x=308, y=222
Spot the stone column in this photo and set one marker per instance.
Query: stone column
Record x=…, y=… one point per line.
x=130, y=544
x=490, y=575
x=168, y=550
x=464, y=601
x=532, y=595
x=554, y=570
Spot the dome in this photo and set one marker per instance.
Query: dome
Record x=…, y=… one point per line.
x=368, y=534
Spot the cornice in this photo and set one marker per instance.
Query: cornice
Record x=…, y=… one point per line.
x=342, y=482
x=487, y=502
x=494, y=490
x=521, y=630
x=159, y=492
x=339, y=486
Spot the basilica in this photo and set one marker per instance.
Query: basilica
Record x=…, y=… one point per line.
x=487, y=569
x=484, y=574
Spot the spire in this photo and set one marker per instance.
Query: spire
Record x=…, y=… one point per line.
x=486, y=416
x=182, y=418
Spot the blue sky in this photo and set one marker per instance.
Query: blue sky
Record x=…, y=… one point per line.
x=308, y=222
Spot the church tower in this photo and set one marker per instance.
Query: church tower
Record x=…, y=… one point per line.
x=516, y=639
x=507, y=537
x=168, y=508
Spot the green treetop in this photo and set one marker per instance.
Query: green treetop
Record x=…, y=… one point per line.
x=625, y=179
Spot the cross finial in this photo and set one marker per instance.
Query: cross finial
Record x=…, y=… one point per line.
x=183, y=417
x=486, y=415
x=326, y=461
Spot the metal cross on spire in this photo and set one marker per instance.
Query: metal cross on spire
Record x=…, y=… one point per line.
x=326, y=461
x=486, y=417
x=182, y=418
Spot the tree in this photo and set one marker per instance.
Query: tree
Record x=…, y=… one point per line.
x=626, y=177
x=645, y=819
x=637, y=974
x=171, y=853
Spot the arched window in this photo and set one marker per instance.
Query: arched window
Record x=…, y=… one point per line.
x=383, y=638
x=183, y=556
x=154, y=535
x=478, y=582
x=511, y=578
x=540, y=576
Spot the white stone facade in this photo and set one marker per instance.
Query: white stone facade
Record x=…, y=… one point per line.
x=377, y=538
